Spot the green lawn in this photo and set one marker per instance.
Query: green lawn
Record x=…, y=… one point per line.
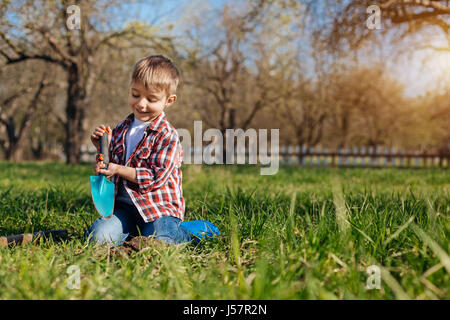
x=300, y=234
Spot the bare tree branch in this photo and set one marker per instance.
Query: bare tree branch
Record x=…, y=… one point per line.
x=56, y=46
x=22, y=55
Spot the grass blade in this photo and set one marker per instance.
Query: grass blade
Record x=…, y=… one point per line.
x=393, y=284
x=434, y=246
x=396, y=233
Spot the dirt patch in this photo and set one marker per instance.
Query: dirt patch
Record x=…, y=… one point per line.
x=137, y=244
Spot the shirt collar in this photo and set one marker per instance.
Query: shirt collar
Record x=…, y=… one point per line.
x=153, y=126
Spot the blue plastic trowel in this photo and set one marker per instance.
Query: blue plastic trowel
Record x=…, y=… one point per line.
x=102, y=189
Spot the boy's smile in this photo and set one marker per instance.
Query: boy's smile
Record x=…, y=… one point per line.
x=148, y=104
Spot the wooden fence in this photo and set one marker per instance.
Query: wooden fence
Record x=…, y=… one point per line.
x=362, y=157
x=346, y=157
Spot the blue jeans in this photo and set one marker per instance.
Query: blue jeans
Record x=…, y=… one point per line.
x=126, y=222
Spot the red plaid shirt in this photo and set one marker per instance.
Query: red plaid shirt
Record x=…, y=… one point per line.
x=157, y=159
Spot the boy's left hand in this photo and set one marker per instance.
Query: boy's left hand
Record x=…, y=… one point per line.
x=112, y=169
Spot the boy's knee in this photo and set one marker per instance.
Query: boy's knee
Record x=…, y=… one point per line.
x=106, y=231
x=167, y=229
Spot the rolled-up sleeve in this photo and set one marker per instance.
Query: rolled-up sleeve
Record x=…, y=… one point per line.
x=160, y=165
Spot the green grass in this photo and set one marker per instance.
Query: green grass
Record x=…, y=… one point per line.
x=300, y=234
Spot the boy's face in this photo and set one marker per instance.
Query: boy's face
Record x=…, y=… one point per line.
x=148, y=104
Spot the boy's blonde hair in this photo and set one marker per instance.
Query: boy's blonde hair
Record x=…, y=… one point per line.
x=156, y=72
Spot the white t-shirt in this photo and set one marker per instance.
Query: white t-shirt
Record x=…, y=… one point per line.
x=134, y=136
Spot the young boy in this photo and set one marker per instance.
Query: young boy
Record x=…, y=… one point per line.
x=145, y=159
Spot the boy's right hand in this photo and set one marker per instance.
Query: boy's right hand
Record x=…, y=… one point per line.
x=97, y=166
x=98, y=132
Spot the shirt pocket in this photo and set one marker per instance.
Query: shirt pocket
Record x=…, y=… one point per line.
x=143, y=153
x=145, y=150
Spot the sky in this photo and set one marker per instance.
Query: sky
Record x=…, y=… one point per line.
x=420, y=70
x=166, y=11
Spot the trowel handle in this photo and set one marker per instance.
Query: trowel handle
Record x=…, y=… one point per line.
x=104, y=148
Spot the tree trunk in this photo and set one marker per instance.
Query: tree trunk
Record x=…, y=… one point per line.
x=75, y=115
x=37, y=148
x=229, y=122
x=14, y=151
x=11, y=132
x=17, y=152
x=16, y=136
